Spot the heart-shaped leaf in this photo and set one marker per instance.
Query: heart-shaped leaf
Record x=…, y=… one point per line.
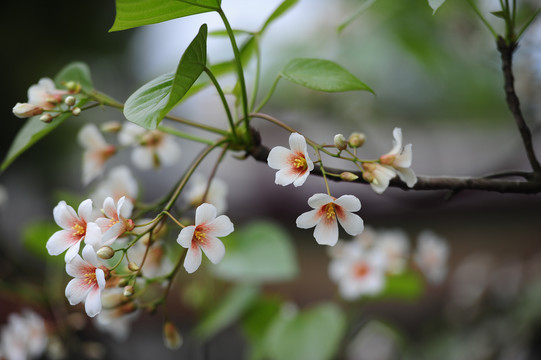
x=135, y=13
x=322, y=75
x=149, y=104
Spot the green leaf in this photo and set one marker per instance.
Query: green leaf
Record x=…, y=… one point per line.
x=149, y=104
x=322, y=75
x=135, y=13
x=405, y=286
x=35, y=237
x=500, y=14
x=260, y=252
x=435, y=4
x=312, y=334
x=227, y=311
x=256, y=323
x=280, y=10
x=34, y=129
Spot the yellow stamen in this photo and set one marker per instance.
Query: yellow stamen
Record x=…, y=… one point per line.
x=331, y=213
x=78, y=230
x=200, y=236
x=300, y=163
x=90, y=278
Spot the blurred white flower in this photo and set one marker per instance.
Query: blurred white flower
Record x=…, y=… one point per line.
x=117, y=315
x=115, y=221
x=23, y=337
x=118, y=183
x=395, y=245
x=217, y=192
x=431, y=256
x=358, y=270
x=97, y=151
x=152, y=148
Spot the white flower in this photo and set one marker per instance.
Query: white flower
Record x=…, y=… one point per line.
x=152, y=148
x=45, y=94
x=119, y=182
x=24, y=110
x=358, y=270
x=88, y=282
x=394, y=244
x=327, y=210
x=115, y=222
x=378, y=176
x=75, y=228
x=399, y=159
x=217, y=192
x=96, y=153
x=293, y=165
x=24, y=336
x=204, y=236
x=431, y=256
x=117, y=315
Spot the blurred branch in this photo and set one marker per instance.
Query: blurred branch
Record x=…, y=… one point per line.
x=532, y=184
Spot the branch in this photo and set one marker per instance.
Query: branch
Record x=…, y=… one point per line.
x=506, y=51
x=491, y=183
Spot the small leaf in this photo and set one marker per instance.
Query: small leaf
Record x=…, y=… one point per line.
x=135, y=13
x=227, y=310
x=435, y=4
x=280, y=10
x=405, y=286
x=500, y=14
x=34, y=129
x=312, y=334
x=261, y=252
x=149, y=104
x=322, y=75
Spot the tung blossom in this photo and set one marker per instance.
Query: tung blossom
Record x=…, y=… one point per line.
x=41, y=96
x=152, y=148
x=116, y=220
x=431, y=256
x=24, y=110
x=88, y=281
x=97, y=152
x=327, y=212
x=294, y=164
x=358, y=270
x=118, y=183
x=204, y=236
x=76, y=227
x=23, y=337
x=217, y=192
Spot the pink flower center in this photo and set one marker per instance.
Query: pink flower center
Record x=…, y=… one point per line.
x=330, y=211
x=90, y=278
x=78, y=229
x=360, y=270
x=200, y=235
x=299, y=162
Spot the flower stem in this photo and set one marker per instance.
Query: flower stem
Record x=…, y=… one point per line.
x=224, y=101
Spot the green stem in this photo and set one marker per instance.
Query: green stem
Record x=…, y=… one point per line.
x=269, y=94
x=224, y=101
x=240, y=71
x=183, y=135
x=257, y=72
x=474, y=7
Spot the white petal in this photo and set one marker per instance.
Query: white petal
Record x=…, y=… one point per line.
x=352, y=224
x=59, y=242
x=73, y=250
x=404, y=159
x=186, y=236
x=348, y=203
x=64, y=215
x=85, y=210
x=214, y=249
x=109, y=207
x=77, y=267
x=169, y=151
x=221, y=226
x=308, y=219
x=318, y=200
x=326, y=233
x=397, y=142
x=297, y=143
x=113, y=233
x=407, y=175
x=93, y=165
x=205, y=213
x=193, y=259
x=129, y=134
x=93, y=235
x=286, y=176
x=89, y=255
x=278, y=157
x=93, y=302
x=302, y=178
x=91, y=138
x=77, y=290
x=143, y=158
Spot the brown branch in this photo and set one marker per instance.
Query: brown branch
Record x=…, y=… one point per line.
x=506, y=52
x=530, y=186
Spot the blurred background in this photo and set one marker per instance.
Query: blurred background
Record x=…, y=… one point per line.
x=435, y=76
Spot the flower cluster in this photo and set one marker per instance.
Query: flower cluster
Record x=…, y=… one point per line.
x=24, y=336
x=360, y=267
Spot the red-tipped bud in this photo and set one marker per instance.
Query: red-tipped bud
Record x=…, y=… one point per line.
x=171, y=336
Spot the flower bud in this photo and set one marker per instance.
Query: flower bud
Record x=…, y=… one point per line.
x=105, y=252
x=111, y=126
x=171, y=336
x=128, y=290
x=73, y=86
x=70, y=101
x=123, y=282
x=24, y=110
x=348, y=176
x=46, y=118
x=76, y=111
x=133, y=266
x=356, y=139
x=340, y=142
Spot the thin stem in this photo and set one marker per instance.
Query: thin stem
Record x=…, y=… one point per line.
x=224, y=101
x=257, y=72
x=268, y=96
x=174, y=219
x=213, y=172
x=521, y=31
x=323, y=173
x=197, y=125
x=240, y=72
x=184, y=135
x=474, y=7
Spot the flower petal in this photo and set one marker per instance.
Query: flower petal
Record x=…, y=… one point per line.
x=286, y=176
x=352, y=223
x=213, y=248
x=73, y=250
x=93, y=235
x=59, y=242
x=64, y=215
x=186, y=236
x=93, y=302
x=193, y=258
x=77, y=290
x=205, y=213
x=308, y=219
x=113, y=233
x=349, y=203
x=397, y=142
x=326, y=233
x=91, y=138
x=89, y=255
x=221, y=226
x=301, y=178
x=143, y=158
x=318, y=200
x=278, y=157
x=109, y=207
x=168, y=151
x=407, y=175
x=404, y=159
x=77, y=267
x=297, y=143
x=85, y=210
